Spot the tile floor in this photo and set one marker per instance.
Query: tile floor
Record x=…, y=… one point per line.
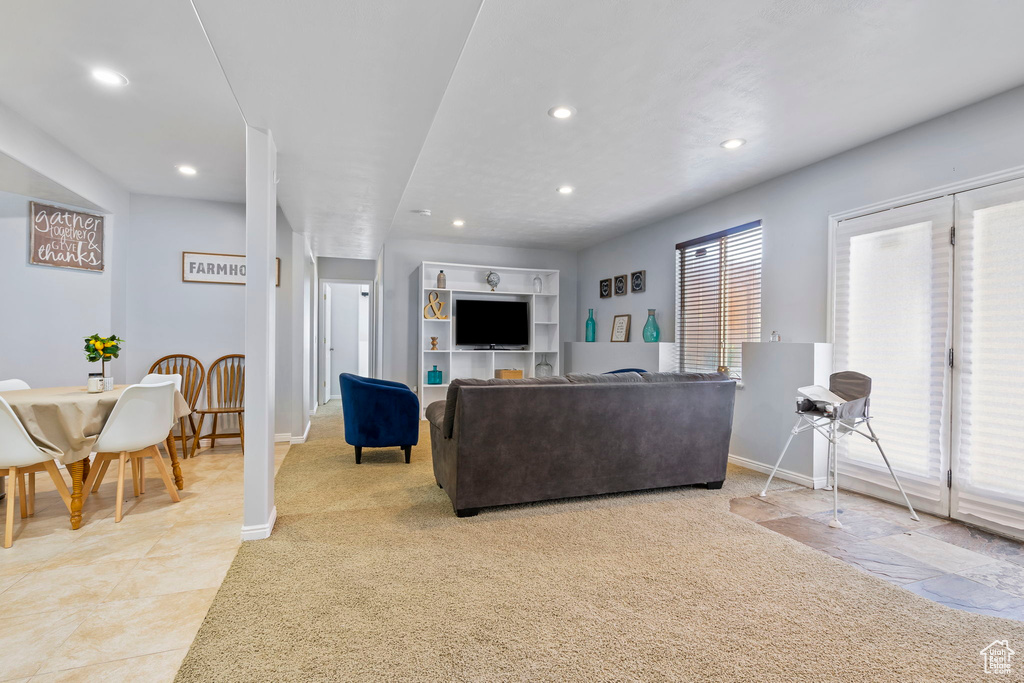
x=948, y=562
x=119, y=601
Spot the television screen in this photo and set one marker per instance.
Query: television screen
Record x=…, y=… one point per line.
x=486, y=323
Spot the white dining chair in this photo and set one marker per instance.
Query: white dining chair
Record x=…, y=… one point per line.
x=140, y=420
x=138, y=465
x=20, y=457
x=13, y=385
x=156, y=378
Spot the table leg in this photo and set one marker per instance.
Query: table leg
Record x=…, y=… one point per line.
x=76, y=469
x=172, y=451
x=86, y=466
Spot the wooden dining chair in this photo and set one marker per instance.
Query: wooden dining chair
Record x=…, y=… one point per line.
x=192, y=378
x=225, y=395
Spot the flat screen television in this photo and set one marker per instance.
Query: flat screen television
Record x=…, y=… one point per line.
x=491, y=323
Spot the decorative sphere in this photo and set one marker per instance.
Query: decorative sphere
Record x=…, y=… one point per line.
x=493, y=279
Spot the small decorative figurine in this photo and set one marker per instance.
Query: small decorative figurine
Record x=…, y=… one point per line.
x=433, y=343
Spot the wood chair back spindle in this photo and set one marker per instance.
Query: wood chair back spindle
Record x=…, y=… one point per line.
x=225, y=398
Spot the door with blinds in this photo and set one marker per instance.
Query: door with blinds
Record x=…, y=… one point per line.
x=892, y=320
x=987, y=482
x=929, y=302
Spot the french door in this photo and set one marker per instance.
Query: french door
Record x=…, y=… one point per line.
x=929, y=302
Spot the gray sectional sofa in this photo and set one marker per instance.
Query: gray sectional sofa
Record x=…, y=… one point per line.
x=500, y=442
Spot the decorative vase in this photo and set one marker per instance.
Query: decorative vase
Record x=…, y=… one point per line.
x=435, y=376
x=775, y=337
x=651, y=331
x=543, y=368
x=538, y=284
x=591, y=327
x=442, y=280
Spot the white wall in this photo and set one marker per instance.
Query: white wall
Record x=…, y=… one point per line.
x=47, y=311
x=984, y=138
x=57, y=358
x=329, y=268
x=402, y=291
x=166, y=315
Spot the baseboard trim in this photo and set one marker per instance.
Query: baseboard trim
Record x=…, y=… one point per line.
x=802, y=479
x=305, y=434
x=258, y=532
x=282, y=438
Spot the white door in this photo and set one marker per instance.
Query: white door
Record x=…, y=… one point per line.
x=325, y=346
x=988, y=369
x=892, y=284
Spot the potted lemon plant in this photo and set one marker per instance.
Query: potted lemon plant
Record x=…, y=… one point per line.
x=101, y=349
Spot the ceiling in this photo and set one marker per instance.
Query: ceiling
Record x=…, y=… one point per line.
x=382, y=108
x=177, y=108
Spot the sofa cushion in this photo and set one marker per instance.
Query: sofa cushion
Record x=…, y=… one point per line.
x=456, y=384
x=684, y=377
x=616, y=378
x=435, y=413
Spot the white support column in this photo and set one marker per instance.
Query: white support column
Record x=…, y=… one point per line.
x=260, y=331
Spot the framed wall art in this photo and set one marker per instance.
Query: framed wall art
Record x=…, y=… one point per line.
x=638, y=281
x=223, y=269
x=620, y=285
x=620, y=328
x=63, y=238
x=606, y=288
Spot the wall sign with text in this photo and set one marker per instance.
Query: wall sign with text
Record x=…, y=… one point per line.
x=65, y=238
x=224, y=269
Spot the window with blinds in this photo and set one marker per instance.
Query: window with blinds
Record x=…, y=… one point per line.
x=718, y=306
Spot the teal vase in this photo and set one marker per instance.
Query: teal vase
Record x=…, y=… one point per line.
x=651, y=331
x=591, y=327
x=435, y=376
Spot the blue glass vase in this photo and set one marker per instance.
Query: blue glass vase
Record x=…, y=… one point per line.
x=651, y=331
x=435, y=376
x=591, y=327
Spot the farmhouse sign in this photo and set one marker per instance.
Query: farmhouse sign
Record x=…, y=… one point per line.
x=228, y=269
x=65, y=238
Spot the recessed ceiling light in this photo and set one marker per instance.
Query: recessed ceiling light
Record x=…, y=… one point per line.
x=565, y=189
x=734, y=143
x=109, y=77
x=186, y=170
x=458, y=222
x=562, y=111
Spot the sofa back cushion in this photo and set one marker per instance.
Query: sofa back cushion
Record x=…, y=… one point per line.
x=611, y=378
x=453, y=394
x=684, y=376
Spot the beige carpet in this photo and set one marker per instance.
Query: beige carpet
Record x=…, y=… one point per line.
x=370, y=576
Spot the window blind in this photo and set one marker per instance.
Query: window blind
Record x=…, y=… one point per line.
x=892, y=284
x=718, y=306
x=988, y=467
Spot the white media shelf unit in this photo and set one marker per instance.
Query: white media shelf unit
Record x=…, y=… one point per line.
x=468, y=282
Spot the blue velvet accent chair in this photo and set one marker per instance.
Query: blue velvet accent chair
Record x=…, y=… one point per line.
x=379, y=413
x=615, y=372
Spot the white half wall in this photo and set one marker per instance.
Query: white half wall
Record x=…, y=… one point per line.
x=980, y=139
x=402, y=291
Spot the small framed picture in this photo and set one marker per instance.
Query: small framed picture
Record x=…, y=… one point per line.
x=620, y=285
x=606, y=288
x=638, y=281
x=620, y=328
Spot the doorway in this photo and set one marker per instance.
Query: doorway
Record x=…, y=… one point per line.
x=927, y=303
x=346, y=333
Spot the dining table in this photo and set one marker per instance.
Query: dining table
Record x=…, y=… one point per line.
x=68, y=420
